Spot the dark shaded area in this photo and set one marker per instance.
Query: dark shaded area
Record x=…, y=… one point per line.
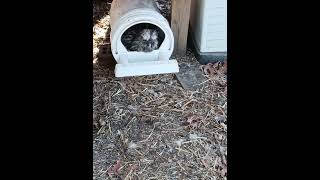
x=133, y=32
x=100, y=9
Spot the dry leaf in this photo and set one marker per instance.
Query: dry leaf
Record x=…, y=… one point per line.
x=115, y=168
x=225, y=66
x=214, y=68
x=194, y=120
x=209, y=69
x=205, y=162
x=223, y=172
x=224, y=160
x=130, y=169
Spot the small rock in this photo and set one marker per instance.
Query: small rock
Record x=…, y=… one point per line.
x=219, y=137
x=163, y=80
x=95, y=50
x=179, y=142
x=119, y=133
x=132, y=108
x=178, y=105
x=224, y=126
x=193, y=136
x=150, y=91
x=220, y=119
x=140, y=99
x=158, y=89
x=102, y=122
x=132, y=145
x=110, y=146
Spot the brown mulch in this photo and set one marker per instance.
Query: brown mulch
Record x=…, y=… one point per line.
x=149, y=127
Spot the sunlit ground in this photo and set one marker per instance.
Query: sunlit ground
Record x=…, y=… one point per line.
x=101, y=26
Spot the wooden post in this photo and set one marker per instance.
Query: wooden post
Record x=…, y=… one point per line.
x=180, y=14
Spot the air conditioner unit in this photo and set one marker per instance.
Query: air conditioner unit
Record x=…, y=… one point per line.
x=208, y=29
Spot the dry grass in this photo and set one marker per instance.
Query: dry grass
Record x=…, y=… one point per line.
x=149, y=127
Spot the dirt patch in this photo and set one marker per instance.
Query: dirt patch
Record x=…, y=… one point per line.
x=149, y=127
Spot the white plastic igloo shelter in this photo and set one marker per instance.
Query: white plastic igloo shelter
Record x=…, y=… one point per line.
x=125, y=14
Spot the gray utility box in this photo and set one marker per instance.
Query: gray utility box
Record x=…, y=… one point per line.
x=208, y=29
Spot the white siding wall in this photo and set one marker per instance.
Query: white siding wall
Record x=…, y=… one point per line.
x=209, y=25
